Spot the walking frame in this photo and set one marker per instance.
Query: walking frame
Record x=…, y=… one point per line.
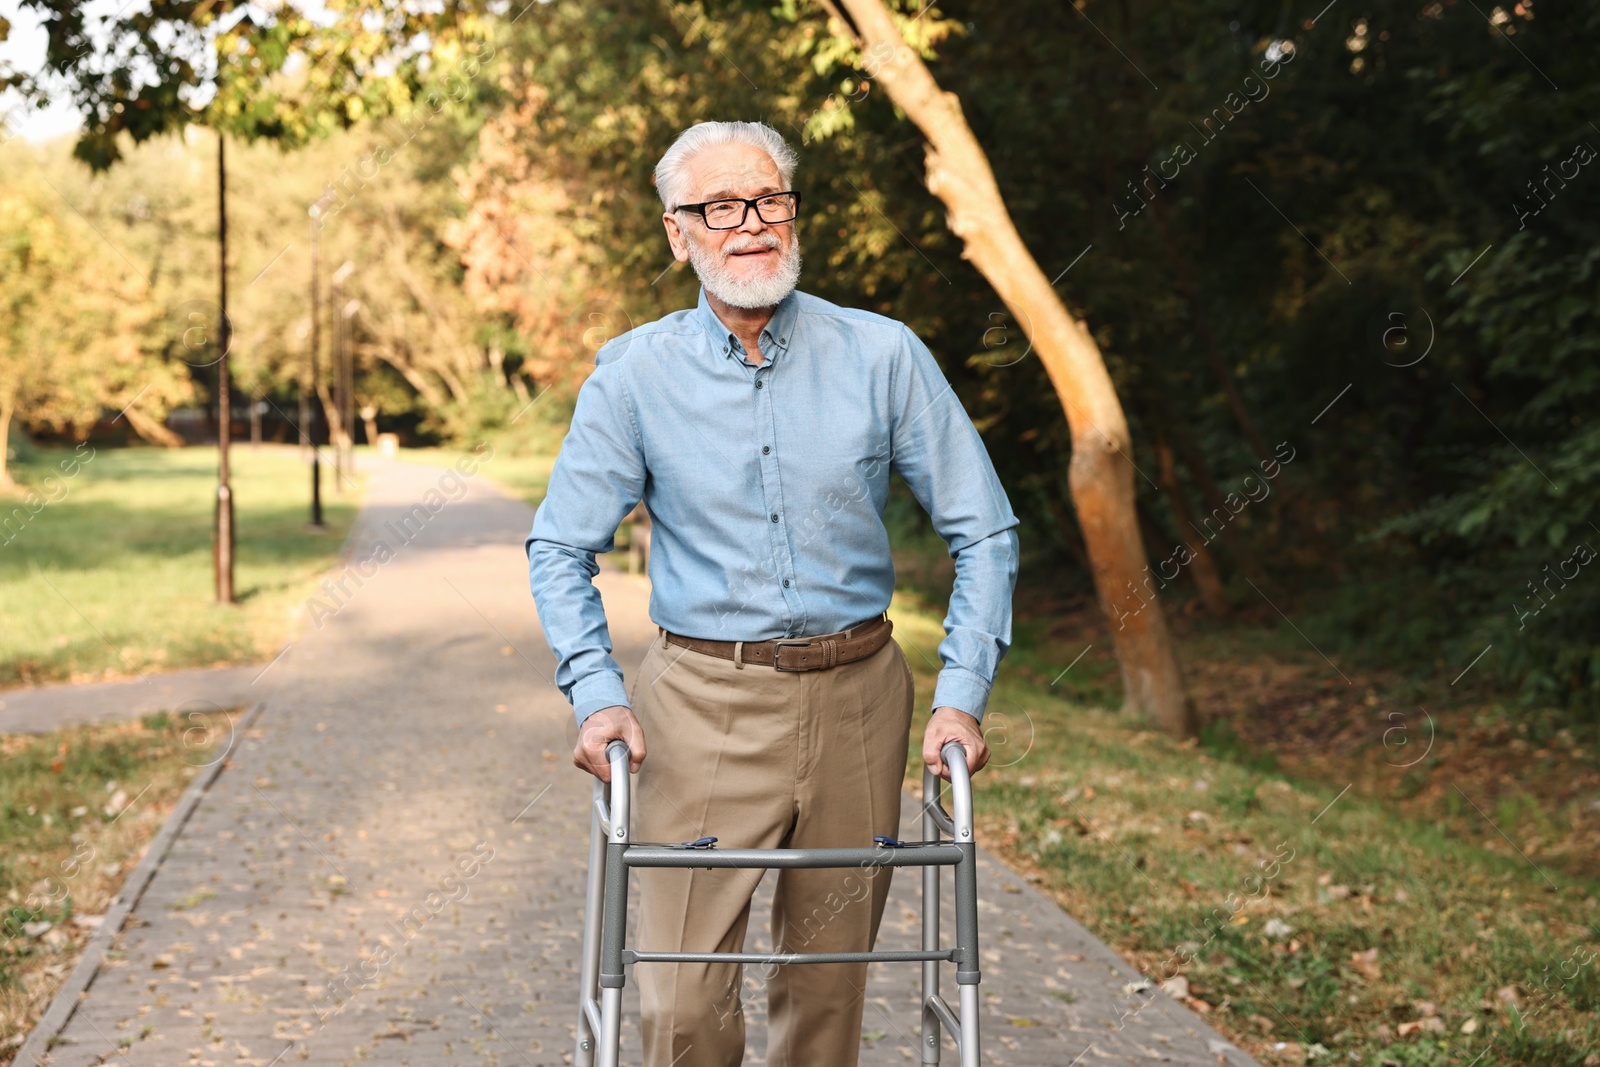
x=611, y=854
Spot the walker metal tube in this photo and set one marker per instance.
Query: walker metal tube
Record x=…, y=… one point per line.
x=955, y=757
x=615, y=923
x=943, y=1014
x=933, y=809
x=971, y=1052
x=775, y=859
x=930, y=923
x=884, y=956
x=594, y=902
x=618, y=756
x=969, y=971
x=611, y=1035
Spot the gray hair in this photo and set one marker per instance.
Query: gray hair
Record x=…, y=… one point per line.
x=671, y=173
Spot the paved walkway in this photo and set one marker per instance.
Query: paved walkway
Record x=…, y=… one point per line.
x=40, y=709
x=391, y=869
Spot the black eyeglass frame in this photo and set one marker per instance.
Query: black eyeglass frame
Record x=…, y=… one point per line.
x=750, y=202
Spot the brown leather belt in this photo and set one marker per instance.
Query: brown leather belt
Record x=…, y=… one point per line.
x=796, y=653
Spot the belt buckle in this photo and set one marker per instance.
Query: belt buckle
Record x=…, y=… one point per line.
x=789, y=641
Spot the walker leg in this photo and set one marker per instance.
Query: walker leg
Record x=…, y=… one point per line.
x=611, y=1040
x=594, y=903
x=969, y=971
x=971, y=1050
x=931, y=1041
x=614, y=926
x=612, y=932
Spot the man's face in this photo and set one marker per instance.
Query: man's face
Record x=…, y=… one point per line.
x=753, y=265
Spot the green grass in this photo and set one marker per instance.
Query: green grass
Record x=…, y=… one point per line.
x=1178, y=855
x=115, y=575
x=77, y=808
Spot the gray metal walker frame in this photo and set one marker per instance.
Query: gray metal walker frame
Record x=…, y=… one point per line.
x=611, y=854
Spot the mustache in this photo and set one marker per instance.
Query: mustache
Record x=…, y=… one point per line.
x=769, y=241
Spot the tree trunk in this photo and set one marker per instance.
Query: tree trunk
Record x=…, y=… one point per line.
x=151, y=430
x=414, y=377
x=1203, y=566
x=1100, y=473
x=336, y=433
x=6, y=482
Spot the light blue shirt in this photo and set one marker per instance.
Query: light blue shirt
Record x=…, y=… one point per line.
x=766, y=488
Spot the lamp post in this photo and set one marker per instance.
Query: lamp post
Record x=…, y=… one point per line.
x=222, y=523
x=341, y=454
x=308, y=427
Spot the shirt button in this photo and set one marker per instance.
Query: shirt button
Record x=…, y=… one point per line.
x=774, y=516
x=758, y=383
x=786, y=583
x=766, y=449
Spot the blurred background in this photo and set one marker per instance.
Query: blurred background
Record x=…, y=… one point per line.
x=1340, y=263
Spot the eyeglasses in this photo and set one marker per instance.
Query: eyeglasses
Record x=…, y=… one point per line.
x=771, y=208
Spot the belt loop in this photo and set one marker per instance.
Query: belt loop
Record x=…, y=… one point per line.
x=738, y=655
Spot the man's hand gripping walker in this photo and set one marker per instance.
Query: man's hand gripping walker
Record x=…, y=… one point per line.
x=611, y=854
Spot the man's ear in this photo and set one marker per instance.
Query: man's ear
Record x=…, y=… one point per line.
x=676, y=237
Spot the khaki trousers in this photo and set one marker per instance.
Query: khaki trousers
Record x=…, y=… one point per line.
x=760, y=758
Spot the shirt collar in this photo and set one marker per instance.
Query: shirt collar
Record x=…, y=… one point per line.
x=775, y=336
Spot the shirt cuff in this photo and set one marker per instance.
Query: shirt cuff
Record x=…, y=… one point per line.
x=603, y=689
x=963, y=690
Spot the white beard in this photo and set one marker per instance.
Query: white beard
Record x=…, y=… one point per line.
x=763, y=292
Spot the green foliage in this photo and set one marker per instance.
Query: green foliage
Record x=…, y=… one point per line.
x=256, y=73
x=484, y=414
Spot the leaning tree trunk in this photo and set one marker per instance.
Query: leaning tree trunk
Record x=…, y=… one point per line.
x=1101, y=472
x=6, y=482
x=336, y=432
x=152, y=429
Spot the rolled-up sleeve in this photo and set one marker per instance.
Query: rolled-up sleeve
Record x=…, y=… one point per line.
x=942, y=458
x=598, y=478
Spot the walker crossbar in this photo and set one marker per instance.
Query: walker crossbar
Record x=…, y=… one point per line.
x=787, y=858
x=611, y=855
x=632, y=956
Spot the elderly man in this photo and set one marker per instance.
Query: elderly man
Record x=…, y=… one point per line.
x=759, y=429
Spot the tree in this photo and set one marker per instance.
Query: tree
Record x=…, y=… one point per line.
x=958, y=172
x=149, y=71
x=70, y=326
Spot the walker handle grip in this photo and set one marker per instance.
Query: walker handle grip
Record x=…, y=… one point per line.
x=954, y=754
x=618, y=755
